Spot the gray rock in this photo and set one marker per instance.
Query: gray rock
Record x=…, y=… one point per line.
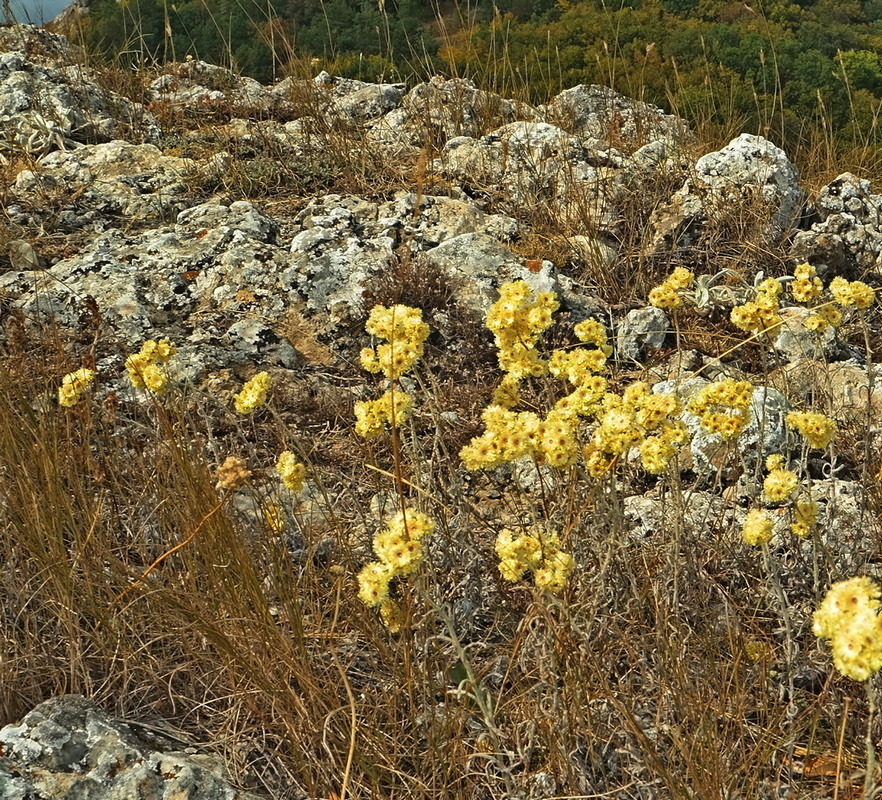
x=651, y=516
x=848, y=239
x=345, y=241
x=642, y=328
x=602, y=113
x=48, y=107
x=341, y=245
x=115, y=178
x=750, y=174
x=215, y=262
x=68, y=749
x=523, y=161
x=795, y=342
x=194, y=83
x=477, y=263
x=433, y=112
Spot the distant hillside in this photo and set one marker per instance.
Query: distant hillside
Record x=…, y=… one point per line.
x=792, y=70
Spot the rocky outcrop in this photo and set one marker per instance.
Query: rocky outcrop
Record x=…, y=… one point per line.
x=57, y=106
x=749, y=177
x=68, y=749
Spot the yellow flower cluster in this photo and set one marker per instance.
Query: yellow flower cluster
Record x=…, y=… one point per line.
x=405, y=332
x=805, y=513
x=780, y=483
x=291, y=471
x=253, y=394
x=757, y=528
x=855, y=294
x=74, y=385
x=823, y=317
x=372, y=416
x=637, y=418
x=849, y=617
x=667, y=294
x=805, y=286
x=537, y=552
x=144, y=368
x=761, y=313
x=517, y=320
x=723, y=407
x=817, y=429
x=399, y=548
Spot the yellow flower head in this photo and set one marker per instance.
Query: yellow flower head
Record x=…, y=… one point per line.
x=291, y=471
x=667, y=294
x=373, y=583
x=144, y=368
x=780, y=483
x=74, y=385
x=405, y=332
x=253, y=394
x=723, y=407
x=857, y=293
x=806, y=518
x=849, y=617
x=817, y=429
x=757, y=528
x=373, y=416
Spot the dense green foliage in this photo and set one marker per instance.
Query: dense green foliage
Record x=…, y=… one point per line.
x=775, y=66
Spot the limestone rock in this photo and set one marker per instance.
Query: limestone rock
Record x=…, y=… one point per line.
x=51, y=106
x=204, y=281
x=750, y=178
x=68, y=749
x=522, y=161
x=477, y=263
x=642, y=328
x=848, y=239
x=114, y=178
x=600, y=112
x=842, y=387
x=795, y=342
x=650, y=516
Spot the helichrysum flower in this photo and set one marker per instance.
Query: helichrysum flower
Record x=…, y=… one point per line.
x=757, y=528
x=857, y=293
x=373, y=583
x=805, y=514
x=392, y=615
x=517, y=319
x=780, y=483
x=817, y=429
x=291, y=471
x=373, y=416
x=399, y=548
x=849, y=617
x=232, y=474
x=823, y=317
x=805, y=287
x=723, y=407
x=145, y=367
x=74, y=385
x=253, y=394
x=405, y=332
x=667, y=294
x=537, y=552
x=761, y=313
